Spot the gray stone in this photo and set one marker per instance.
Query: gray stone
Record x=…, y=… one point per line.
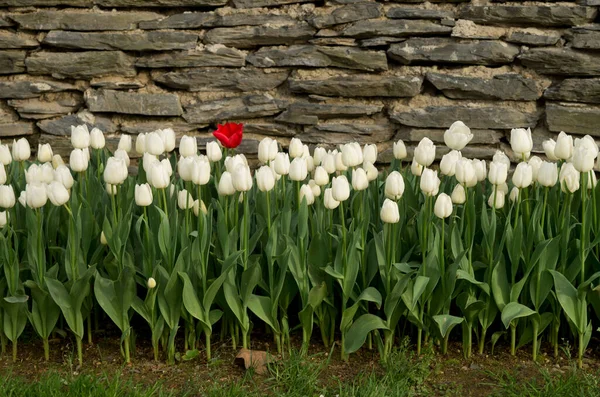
x=44, y=3
x=16, y=129
x=31, y=88
x=334, y=133
x=160, y=3
x=394, y=28
x=586, y=39
x=312, y=113
x=533, y=37
x=545, y=15
x=206, y=57
x=266, y=3
x=133, y=103
x=270, y=129
x=7, y=114
x=80, y=65
x=573, y=118
x=320, y=56
x=334, y=41
x=236, y=108
x=5, y=22
x=381, y=41
x=112, y=83
x=17, y=40
x=129, y=41
x=345, y=14
x=589, y=2
x=78, y=20
x=509, y=86
x=252, y=36
x=411, y=134
x=483, y=115
x=48, y=105
x=475, y=52
x=562, y=61
x=575, y=90
x=12, y=62
x=136, y=125
x=418, y=13
x=236, y=80
x=62, y=125
x=359, y=85
x=195, y=20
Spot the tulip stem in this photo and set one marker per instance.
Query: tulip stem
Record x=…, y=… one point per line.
x=246, y=230
x=583, y=226
x=164, y=195
x=544, y=208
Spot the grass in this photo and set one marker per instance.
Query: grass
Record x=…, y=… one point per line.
x=571, y=384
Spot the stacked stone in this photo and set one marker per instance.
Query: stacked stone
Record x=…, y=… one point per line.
x=327, y=71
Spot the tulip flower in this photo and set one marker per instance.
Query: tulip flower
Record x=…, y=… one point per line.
x=480, y=169
x=306, y=193
x=370, y=153
x=521, y=142
x=267, y=150
x=501, y=157
x=359, y=179
x=225, y=187
x=430, y=183
x=415, y=168
x=588, y=142
x=316, y=189
x=319, y=154
x=5, y=156
x=497, y=196
x=21, y=150
x=340, y=166
x=443, y=206
x=140, y=144
x=7, y=196
x=97, y=140
x=143, y=195
x=399, y=150
x=549, y=147
x=185, y=200
x=296, y=148
x=548, y=174
x=458, y=194
x=265, y=179
x=328, y=163
x=425, y=152
x=33, y=174
x=2, y=174
x=535, y=162
x=282, y=163
x=188, y=146
x=125, y=143
x=158, y=176
x=457, y=136
x=200, y=206
x=328, y=200
x=213, y=152
x=448, y=163
x=242, y=178
x=80, y=137
x=111, y=189
x=298, y=169
x=115, y=172
x=569, y=178
x=200, y=170
x=466, y=173
x=78, y=160
x=584, y=158
x=151, y=283
x=103, y=240
x=57, y=161
x=4, y=217
x=352, y=154
x=148, y=160
x=394, y=186
x=57, y=193
x=340, y=188
x=122, y=154
x=155, y=145
x=229, y=134
x=389, y=212
x=23, y=198
x=321, y=176
x=371, y=170
x=564, y=146
x=498, y=173
x=166, y=164
x=36, y=196
x=185, y=167
x=523, y=175
x=232, y=162
x=44, y=153
x=514, y=194
x=168, y=137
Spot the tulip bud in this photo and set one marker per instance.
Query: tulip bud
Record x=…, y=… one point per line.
x=443, y=206
x=242, y=178
x=501, y=157
x=97, y=140
x=564, y=146
x=4, y=217
x=122, y=154
x=339, y=162
x=155, y=144
x=2, y=174
x=167, y=167
x=480, y=169
x=272, y=167
x=371, y=170
x=7, y=196
x=535, y=162
x=514, y=194
x=44, y=153
x=200, y=170
x=282, y=163
x=498, y=173
x=399, y=150
x=151, y=283
x=370, y=153
x=78, y=160
x=115, y=172
x=57, y=193
x=310, y=163
x=549, y=146
x=265, y=179
x=298, y=169
x=23, y=198
x=111, y=189
x=147, y=162
x=425, y=152
x=389, y=212
x=185, y=200
x=125, y=143
x=296, y=149
x=306, y=193
x=548, y=174
x=36, y=196
x=46, y=173
x=394, y=186
x=457, y=136
x=592, y=181
x=321, y=176
x=319, y=154
x=213, y=152
x=316, y=189
x=328, y=162
x=232, y=162
x=103, y=239
x=21, y=150
x=415, y=168
x=63, y=175
x=583, y=158
x=158, y=176
x=448, y=163
x=459, y=195
x=168, y=137
x=80, y=136
x=267, y=150
x=466, y=173
x=523, y=175
x=569, y=178
x=340, y=188
x=143, y=195
x=185, y=168
x=499, y=195
x=200, y=206
x=430, y=183
x=5, y=156
x=225, y=187
x=521, y=142
x=140, y=143
x=188, y=146
x=359, y=179
x=588, y=142
x=328, y=200
x=57, y=161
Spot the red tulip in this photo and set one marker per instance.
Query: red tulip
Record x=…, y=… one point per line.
x=230, y=134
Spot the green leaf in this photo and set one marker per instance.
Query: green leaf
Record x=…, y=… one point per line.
x=261, y=306
x=446, y=322
x=500, y=286
x=357, y=334
x=567, y=296
x=513, y=311
x=190, y=300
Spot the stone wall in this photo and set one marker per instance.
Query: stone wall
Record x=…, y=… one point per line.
x=326, y=71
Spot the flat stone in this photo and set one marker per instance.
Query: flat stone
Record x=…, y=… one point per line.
x=271, y=129
x=12, y=62
x=533, y=37
x=47, y=105
x=573, y=118
x=112, y=83
x=208, y=56
x=418, y=13
x=586, y=39
x=241, y=107
x=44, y=3
x=253, y=36
x=82, y=21
x=16, y=129
x=475, y=52
x=466, y=29
x=7, y=114
x=545, y=15
x=380, y=41
x=236, y=80
x=358, y=85
x=575, y=90
x=509, y=86
x=195, y=20
x=562, y=61
x=589, y=2
x=333, y=41
x=136, y=125
x=481, y=114
x=320, y=56
x=393, y=28
x=5, y=22
x=80, y=65
x=62, y=125
x=129, y=41
x=345, y=14
x=17, y=40
x=31, y=88
x=312, y=113
x=411, y=134
x=133, y=103
x=266, y=3
x=335, y=132
x=160, y=3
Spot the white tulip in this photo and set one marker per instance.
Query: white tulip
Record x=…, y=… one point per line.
x=158, y=176
x=321, y=176
x=425, y=152
x=389, y=212
x=2, y=174
x=310, y=163
x=122, y=154
x=569, y=178
x=564, y=146
x=535, y=162
x=430, y=183
x=111, y=189
x=125, y=143
x=547, y=174
x=328, y=200
x=296, y=148
x=319, y=154
x=370, y=153
x=592, y=181
x=200, y=170
x=242, y=178
x=151, y=283
x=466, y=173
x=97, y=140
x=4, y=217
x=480, y=169
x=147, y=161
x=168, y=137
x=33, y=174
x=501, y=157
x=267, y=150
x=298, y=169
x=500, y=197
x=503, y=188
x=80, y=136
x=63, y=175
x=7, y=196
x=213, y=152
x=200, y=206
x=265, y=179
x=78, y=160
x=44, y=153
x=459, y=195
x=282, y=163
x=316, y=189
x=448, y=163
x=514, y=194
x=167, y=166
x=371, y=170
x=415, y=168
x=340, y=188
x=589, y=142
x=36, y=196
x=399, y=150
x=232, y=162
x=143, y=195
x=523, y=175
x=23, y=198
x=57, y=193
x=272, y=166
x=185, y=167
x=185, y=200
x=306, y=193
x=225, y=187
x=359, y=179
x=140, y=143
x=443, y=206
x=394, y=186
x=498, y=173
x=549, y=148
x=57, y=161
x=328, y=163
x=155, y=144
x=521, y=142
x=340, y=166
x=103, y=239
x=5, y=156
x=584, y=158
x=115, y=172
x=188, y=146
x=21, y=150
x=457, y=136
x=46, y=173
